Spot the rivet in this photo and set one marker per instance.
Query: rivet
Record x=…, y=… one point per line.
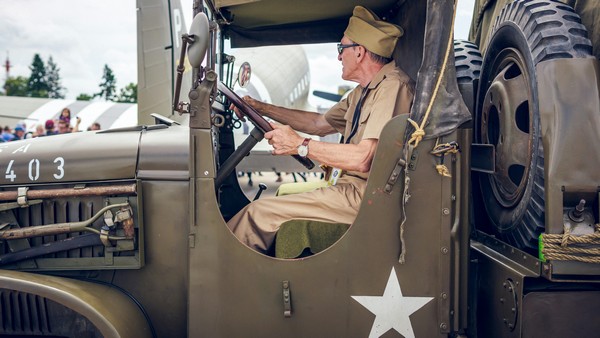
x=444, y=250
x=206, y=173
x=446, y=211
x=443, y=326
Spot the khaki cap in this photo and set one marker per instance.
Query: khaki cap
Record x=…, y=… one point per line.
x=377, y=36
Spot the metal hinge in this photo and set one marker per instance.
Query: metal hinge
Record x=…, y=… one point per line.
x=287, y=300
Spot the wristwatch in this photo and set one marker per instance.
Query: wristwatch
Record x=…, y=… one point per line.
x=303, y=148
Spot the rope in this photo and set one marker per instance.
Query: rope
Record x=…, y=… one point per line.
x=568, y=247
x=405, y=198
x=418, y=135
x=443, y=170
x=419, y=132
x=440, y=150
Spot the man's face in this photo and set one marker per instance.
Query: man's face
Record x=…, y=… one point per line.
x=63, y=127
x=348, y=58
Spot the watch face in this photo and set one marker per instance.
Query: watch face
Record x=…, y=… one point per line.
x=302, y=151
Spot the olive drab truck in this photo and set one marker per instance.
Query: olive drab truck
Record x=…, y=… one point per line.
x=479, y=219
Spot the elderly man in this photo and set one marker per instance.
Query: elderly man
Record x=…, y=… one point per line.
x=384, y=90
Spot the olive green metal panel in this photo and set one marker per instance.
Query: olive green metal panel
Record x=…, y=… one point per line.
x=164, y=154
x=570, y=120
x=571, y=314
x=244, y=291
x=85, y=156
x=161, y=285
x=500, y=288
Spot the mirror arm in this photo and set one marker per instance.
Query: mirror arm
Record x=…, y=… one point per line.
x=179, y=106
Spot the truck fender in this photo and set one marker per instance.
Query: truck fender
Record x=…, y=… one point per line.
x=113, y=313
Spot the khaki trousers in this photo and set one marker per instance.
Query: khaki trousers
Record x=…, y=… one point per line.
x=257, y=223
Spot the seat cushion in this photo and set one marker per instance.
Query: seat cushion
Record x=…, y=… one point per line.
x=299, y=238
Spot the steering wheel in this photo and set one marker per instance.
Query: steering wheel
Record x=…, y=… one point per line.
x=256, y=119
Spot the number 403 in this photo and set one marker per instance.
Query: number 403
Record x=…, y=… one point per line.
x=34, y=169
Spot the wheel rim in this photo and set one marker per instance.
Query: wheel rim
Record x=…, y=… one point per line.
x=506, y=123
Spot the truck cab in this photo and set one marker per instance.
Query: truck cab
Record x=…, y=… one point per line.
x=122, y=233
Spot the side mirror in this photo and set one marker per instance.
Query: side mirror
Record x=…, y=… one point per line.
x=244, y=74
x=200, y=34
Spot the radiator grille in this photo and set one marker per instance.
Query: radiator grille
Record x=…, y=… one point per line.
x=23, y=313
x=76, y=250
x=61, y=211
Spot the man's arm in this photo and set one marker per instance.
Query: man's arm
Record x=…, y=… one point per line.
x=300, y=120
x=350, y=157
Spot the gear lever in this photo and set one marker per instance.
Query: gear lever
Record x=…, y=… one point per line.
x=261, y=188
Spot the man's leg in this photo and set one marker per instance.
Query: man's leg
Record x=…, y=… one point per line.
x=257, y=224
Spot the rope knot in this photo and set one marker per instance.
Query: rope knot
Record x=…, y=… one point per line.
x=443, y=170
x=417, y=135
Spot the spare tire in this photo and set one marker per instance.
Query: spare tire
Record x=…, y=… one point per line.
x=467, y=61
x=524, y=34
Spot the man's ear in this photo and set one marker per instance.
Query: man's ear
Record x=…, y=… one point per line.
x=360, y=52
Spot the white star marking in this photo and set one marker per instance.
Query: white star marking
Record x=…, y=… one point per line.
x=392, y=310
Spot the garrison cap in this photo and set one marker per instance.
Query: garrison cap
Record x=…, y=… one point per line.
x=377, y=36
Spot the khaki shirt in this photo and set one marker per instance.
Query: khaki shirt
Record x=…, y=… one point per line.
x=391, y=93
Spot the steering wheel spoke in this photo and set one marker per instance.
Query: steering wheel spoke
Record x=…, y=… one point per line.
x=256, y=119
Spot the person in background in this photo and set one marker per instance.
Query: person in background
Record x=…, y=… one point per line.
x=95, y=126
x=19, y=133
x=39, y=131
x=65, y=115
x=63, y=127
x=50, y=128
x=7, y=134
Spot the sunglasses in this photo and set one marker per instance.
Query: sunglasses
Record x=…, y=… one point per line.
x=340, y=47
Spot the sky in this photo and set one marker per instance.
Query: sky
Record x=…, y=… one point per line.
x=83, y=36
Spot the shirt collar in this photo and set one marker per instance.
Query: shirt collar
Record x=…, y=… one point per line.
x=381, y=74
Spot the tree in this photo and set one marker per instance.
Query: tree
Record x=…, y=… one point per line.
x=128, y=93
x=55, y=90
x=108, y=86
x=16, y=86
x=85, y=97
x=37, y=85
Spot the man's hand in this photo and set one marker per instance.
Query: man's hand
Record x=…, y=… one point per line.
x=250, y=101
x=284, y=139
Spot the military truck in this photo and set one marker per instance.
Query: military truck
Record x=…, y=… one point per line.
x=480, y=216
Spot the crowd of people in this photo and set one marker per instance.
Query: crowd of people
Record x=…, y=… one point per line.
x=62, y=125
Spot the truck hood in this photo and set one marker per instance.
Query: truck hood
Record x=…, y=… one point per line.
x=95, y=156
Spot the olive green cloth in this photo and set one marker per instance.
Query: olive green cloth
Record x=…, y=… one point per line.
x=297, y=238
x=299, y=187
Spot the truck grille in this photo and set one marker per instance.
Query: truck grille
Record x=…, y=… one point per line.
x=69, y=249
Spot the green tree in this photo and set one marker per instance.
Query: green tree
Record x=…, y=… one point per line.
x=55, y=90
x=37, y=85
x=108, y=86
x=128, y=93
x=16, y=86
x=85, y=97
